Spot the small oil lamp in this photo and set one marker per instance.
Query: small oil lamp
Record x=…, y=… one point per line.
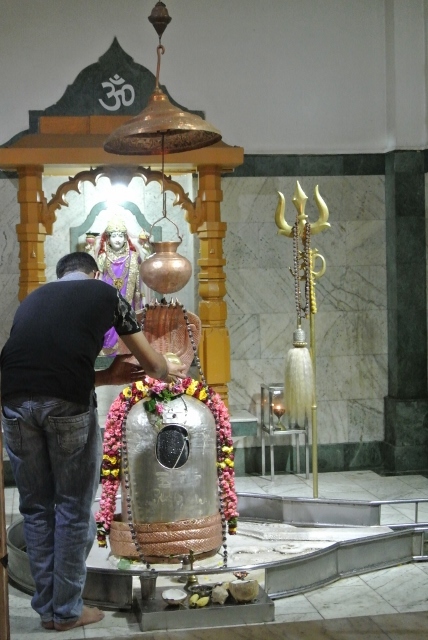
x=278, y=410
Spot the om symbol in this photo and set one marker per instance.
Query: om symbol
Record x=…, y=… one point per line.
x=118, y=91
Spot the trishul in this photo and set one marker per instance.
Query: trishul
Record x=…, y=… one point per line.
x=299, y=201
x=303, y=261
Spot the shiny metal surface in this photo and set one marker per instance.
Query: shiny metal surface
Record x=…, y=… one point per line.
x=161, y=127
x=165, y=270
x=340, y=560
x=309, y=511
x=155, y=615
x=160, y=494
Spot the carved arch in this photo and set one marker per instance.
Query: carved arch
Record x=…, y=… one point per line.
x=193, y=210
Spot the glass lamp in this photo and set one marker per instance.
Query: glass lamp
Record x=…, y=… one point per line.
x=272, y=407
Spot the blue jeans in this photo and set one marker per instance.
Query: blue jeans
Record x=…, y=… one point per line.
x=55, y=452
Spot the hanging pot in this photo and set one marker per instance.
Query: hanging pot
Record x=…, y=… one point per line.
x=165, y=271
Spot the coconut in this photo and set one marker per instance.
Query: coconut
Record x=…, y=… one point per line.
x=244, y=590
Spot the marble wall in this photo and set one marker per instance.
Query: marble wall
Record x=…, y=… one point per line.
x=9, y=255
x=351, y=331
x=351, y=323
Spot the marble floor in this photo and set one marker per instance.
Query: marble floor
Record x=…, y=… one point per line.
x=386, y=604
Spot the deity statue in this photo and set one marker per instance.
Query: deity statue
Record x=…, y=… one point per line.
x=118, y=261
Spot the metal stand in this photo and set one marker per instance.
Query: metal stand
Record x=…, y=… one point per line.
x=267, y=424
x=295, y=433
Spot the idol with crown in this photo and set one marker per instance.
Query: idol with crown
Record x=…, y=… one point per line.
x=118, y=261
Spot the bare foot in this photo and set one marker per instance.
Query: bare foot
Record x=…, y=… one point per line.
x=48, y=625
x=89, y=616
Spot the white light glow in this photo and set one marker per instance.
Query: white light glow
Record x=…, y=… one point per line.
x=115, y=193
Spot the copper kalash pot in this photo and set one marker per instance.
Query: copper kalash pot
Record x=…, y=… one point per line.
x=165, y=271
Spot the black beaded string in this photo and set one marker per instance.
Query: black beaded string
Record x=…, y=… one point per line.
x=125, y=468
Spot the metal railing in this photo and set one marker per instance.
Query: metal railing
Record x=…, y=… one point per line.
x=421, y=526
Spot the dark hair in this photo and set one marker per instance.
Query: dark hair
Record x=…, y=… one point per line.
x=77, y=261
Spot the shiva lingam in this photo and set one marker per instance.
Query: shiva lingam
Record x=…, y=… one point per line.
x=170, y=495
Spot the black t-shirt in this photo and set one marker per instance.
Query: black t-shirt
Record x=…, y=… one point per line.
x=57, y=333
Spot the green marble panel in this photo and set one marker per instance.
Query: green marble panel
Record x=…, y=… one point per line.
x=276, y=165
x=307, y=165
x=249, y=428
x=331, y=457
x=406, y=161
x=409, y=194
x=406, y=301
x=363, y=455
x=406, y=274
x=406, y=422
x=405, y=459
x=364, y=164
x=407, y=367
x=321, y=165
x=240, y=466
x=410, y=239
x=246, y=169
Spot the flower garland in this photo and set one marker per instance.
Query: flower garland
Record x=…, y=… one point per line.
x=156, y=393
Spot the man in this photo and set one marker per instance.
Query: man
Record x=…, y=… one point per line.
x=50, y=423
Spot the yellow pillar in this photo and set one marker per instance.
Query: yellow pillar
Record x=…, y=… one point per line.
x=31, y=231
x=214, y=346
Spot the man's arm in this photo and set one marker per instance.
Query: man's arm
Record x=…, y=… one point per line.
x=154, y=363
x=121, y=371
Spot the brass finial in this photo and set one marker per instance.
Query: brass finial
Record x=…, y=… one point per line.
x=160, y=18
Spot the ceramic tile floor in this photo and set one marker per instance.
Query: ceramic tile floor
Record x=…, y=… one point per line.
x=386, y=604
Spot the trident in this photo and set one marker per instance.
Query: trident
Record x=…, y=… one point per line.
x=301, y=391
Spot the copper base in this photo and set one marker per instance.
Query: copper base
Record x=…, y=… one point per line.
x=162, y=543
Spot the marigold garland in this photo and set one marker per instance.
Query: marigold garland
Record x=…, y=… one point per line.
x=156, y=393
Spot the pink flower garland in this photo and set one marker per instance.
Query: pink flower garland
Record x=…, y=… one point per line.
x=156, y=394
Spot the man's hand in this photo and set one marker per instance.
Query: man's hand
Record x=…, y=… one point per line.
x=119, y=372
x=176, y=369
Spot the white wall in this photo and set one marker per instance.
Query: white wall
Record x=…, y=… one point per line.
x=278, y=76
